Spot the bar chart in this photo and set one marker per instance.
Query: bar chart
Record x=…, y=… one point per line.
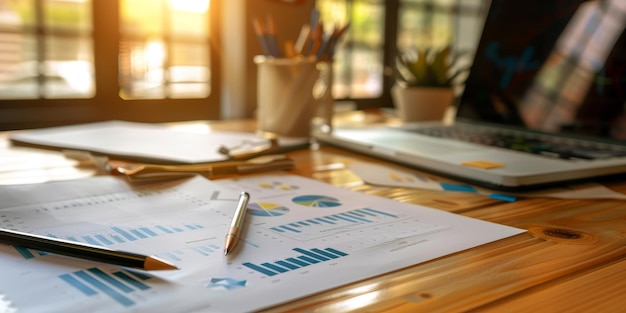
x=116, y=235
x=117, y=285
x=306, y=257
x=321, y=226
x=358, y=230
x=300, y=237
x=178, y=255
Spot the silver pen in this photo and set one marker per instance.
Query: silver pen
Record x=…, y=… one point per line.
x=236, y=225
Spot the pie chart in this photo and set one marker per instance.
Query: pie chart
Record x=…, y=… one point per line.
x=317, y=201
x=267, y=209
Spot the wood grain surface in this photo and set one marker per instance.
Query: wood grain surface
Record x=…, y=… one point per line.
x=571, y=259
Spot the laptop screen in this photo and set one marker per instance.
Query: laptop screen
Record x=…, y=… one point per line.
x=553, y=66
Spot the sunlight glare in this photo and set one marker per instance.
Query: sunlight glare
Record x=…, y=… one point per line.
x=191, y=6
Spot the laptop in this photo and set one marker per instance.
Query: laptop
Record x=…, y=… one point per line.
x=543, y=103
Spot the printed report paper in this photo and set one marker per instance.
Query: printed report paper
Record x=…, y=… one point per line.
x=301, y=237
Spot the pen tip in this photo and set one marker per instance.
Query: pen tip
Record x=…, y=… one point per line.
x=225, y=252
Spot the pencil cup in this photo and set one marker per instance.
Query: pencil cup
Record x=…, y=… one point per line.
x=287, y=101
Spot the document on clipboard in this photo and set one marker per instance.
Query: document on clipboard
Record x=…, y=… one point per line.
x=148, y=142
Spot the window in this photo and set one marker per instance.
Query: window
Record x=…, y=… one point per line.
x=48, y=49
x=166, y=59
x=364, y=61
x=69, y=61
x=360, y=59
x=436, y=23
x=359, y=62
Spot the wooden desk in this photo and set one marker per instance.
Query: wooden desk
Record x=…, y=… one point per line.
x=573, y=257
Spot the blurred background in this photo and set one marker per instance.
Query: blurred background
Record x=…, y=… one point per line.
x=74, y=61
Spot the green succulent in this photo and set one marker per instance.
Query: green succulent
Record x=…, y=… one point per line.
x=428, y=68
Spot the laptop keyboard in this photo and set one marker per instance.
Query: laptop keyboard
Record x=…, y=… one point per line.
x=550, y=146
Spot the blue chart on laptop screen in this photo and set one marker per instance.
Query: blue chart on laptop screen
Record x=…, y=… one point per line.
x=555, y=66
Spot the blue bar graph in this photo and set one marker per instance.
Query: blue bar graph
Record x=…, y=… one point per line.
x=306, y=258
x=321, y=226
x=298, y=262
x=172, y=256
x=288, y=228
x=74, y=282
x=104, y=288
x=116, y=235
x=131, y=281
x=288, y=265
x=117, y=238
x=164, y=229
x=104, y=239
x=124, y=233
x=28, y=253
x=138, y=234
x=207, y=249
x=326, y=221
x=90, y=240
x=312, y=254
x=260, y=269
x=204, y=250
x=325, y=253
x=121, y=235
x=337, y=252
x=109, y=279
x=116, y=285
x=275, y=268
x=149, y=231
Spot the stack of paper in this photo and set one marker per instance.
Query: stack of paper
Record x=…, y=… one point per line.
x=302, y=237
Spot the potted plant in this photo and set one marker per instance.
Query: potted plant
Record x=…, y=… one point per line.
x=424, y=87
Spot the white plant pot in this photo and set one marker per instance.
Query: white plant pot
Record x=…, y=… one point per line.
x=421, y=103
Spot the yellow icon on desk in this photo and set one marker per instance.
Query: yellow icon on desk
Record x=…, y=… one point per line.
x=486, y=165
